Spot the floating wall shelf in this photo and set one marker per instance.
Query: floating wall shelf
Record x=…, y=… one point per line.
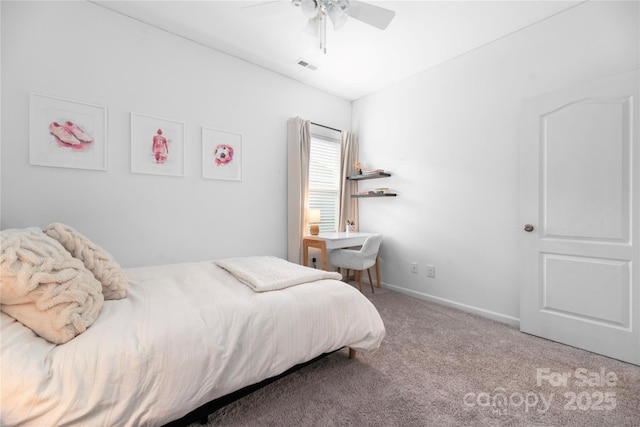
x=371, y=193
x=369, y=176
x=374, y=195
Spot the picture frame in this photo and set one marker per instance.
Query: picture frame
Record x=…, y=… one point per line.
x=221, y=154
x=67, y=133
x=157, y=145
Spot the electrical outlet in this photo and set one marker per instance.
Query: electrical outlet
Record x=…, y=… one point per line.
x=414, y=267
x=431, y=271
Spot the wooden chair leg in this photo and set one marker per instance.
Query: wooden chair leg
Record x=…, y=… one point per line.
x=359, y=273
x=370, y=281
x=377, y=271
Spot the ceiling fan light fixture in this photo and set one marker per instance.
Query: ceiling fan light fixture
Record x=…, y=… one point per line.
x=338, y=11
x=342, y=5
x=338, y=16
x=310, y=8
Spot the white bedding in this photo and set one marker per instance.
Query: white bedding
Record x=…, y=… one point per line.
x=267, y=273
x=185, y=334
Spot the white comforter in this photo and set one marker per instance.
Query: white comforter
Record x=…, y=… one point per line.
x=185, y=334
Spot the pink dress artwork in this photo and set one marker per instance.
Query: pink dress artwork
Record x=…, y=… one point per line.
x=160, y=148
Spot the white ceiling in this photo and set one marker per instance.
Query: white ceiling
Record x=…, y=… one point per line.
x=360, y=59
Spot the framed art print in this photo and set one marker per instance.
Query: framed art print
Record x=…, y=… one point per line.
x=66, y=133
x=221, y=155
x=157, y=145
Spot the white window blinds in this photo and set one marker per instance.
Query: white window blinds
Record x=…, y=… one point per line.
x=324, y=181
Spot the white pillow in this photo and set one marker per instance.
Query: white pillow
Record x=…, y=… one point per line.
x=44, y=287
x=100, y=263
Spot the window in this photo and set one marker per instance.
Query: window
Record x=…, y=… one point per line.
x=324, y=179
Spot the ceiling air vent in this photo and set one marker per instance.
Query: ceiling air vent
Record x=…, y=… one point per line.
x=306, y=64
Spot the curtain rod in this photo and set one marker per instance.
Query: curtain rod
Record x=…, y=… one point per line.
x=326, y=127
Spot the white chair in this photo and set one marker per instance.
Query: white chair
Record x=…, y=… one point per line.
x=358, y=259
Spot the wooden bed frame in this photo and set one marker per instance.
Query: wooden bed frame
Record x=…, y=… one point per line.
x=202, y=413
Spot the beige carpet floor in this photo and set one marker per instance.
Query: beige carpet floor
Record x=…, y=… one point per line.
x=439, y=366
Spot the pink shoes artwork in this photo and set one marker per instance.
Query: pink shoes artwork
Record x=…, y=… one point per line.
x=70, y=135
x=160, y=147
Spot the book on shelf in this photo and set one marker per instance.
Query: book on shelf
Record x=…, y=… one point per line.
x=375, y=191
x=383, y=190
x=373, y=172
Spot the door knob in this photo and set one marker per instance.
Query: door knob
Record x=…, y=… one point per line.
x=528, y=228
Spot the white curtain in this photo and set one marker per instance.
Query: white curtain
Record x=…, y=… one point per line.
x=348, y=204
x=298, y=149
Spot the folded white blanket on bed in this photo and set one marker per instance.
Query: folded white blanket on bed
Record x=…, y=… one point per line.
x=267, y=273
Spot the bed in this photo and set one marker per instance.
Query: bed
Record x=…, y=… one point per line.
x=182, y=336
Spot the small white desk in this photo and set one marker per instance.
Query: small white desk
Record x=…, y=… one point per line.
x=336, y=240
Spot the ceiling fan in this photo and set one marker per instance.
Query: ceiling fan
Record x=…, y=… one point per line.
x=338, y=11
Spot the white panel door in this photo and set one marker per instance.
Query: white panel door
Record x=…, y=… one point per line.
x=579, y=204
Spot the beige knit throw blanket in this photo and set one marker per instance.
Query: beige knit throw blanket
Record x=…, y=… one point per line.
x=44, y=287
x=95, y=259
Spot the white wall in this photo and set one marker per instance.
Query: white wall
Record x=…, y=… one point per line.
x=82, y=51
x=450, y=137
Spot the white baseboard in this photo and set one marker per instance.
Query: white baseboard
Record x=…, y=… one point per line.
x=471, y=309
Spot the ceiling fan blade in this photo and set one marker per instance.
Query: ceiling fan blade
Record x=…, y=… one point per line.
x=370, y=14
